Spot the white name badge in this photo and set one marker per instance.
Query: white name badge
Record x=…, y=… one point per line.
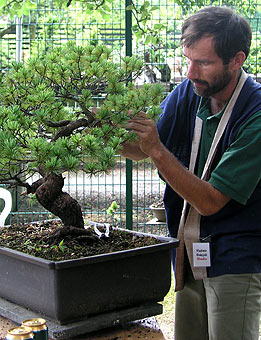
x=201, y=255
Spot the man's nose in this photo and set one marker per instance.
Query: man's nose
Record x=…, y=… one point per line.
x=193, y=72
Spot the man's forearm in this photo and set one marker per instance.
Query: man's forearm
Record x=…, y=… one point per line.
x=200, y=194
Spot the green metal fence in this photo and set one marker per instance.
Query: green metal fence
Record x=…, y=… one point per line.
x=133, y=185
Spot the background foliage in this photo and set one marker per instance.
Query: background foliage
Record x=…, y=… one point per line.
x=155, y=27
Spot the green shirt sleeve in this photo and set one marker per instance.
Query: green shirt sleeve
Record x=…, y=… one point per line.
x=239, y=170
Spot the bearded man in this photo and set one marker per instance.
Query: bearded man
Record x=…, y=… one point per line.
x=206, y=146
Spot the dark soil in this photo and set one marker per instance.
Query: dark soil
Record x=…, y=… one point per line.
x=42, y=240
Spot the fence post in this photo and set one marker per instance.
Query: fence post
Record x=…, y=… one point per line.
x=18, y=57
x=129, y=198
x=19, y=37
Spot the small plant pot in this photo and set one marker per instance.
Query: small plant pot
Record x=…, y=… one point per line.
x=159, y=213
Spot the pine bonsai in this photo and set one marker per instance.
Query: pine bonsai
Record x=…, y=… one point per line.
x=48, y=124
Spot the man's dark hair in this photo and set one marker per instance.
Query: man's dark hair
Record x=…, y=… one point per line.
x=231, y=32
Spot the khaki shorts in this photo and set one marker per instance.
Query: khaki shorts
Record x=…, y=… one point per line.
x=226, y=307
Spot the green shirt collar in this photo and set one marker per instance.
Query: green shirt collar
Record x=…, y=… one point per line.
x=204, y=110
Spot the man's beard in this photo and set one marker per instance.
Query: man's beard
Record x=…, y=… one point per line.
x=211, y=89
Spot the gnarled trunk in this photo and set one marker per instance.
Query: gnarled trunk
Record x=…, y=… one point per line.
x=49, y=194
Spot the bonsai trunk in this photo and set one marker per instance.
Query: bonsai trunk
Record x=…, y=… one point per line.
x=49, y=194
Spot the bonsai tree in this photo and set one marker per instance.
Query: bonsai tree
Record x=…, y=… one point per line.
x=49, y=122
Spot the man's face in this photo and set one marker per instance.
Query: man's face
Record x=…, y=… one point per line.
x=206, y=70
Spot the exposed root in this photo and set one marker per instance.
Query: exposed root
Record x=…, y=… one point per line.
x=86, y=235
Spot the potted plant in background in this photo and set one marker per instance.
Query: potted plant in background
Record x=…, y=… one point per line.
x=48, y=126
x=158, y=211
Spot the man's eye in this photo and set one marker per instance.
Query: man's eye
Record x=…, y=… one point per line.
x=204, y=63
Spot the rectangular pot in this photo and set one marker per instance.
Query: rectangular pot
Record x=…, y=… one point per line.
x=73, y=290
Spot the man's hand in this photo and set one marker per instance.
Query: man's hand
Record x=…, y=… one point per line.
x=146, y=130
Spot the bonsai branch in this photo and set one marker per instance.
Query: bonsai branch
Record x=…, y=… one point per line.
x=57, y=124
x=68, y=129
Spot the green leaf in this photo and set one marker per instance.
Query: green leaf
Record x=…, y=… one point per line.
x=71, y=163
x=147, y=39
x=158, y=26
x=129, y=8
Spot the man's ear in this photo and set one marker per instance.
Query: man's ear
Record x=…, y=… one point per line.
x=238, y=60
